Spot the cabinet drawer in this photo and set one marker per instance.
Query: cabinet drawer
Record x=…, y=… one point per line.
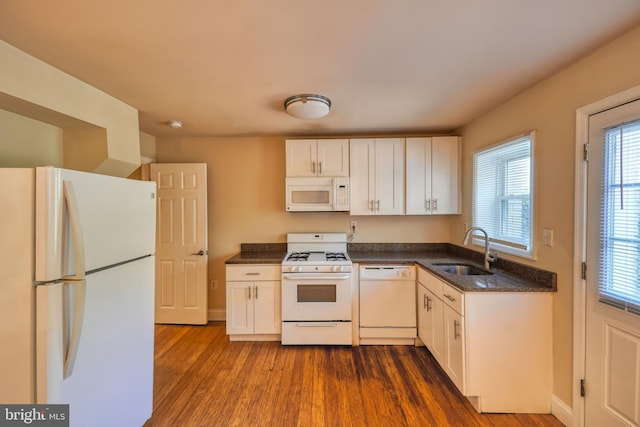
x=453, y=298
x=250, y=272
x=431, y=282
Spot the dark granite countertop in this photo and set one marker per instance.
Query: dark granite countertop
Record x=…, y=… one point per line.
x=259, y=253
x=507, y=276
x=269, y=257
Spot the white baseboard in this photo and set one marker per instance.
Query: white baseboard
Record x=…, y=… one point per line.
x=216, y=314
x=561, y=411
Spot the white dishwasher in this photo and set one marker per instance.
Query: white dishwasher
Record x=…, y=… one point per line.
x=388, y=304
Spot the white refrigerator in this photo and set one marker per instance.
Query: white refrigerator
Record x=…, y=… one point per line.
x=77, y=294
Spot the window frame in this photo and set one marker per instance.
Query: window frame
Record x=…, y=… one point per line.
x=498, y=242
x=610, y=291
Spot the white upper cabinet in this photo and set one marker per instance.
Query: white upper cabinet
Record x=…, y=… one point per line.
x=433, y=175
x=377, y=176
x=317, y=157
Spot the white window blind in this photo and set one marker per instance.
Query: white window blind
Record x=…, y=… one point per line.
x=620, y=216
x=502, y=198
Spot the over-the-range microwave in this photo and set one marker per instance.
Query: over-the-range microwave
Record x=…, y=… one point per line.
x=317, y=194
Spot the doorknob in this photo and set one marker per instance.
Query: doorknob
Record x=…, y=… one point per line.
x=200, y=253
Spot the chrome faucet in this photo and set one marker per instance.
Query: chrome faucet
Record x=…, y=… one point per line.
x=488, y=256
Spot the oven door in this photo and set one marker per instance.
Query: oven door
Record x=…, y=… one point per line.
x=316, y=297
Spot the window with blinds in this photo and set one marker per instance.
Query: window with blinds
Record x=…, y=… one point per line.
x=620, y=216
x=502, y=197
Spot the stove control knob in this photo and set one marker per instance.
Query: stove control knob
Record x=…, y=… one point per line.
x=337, y=268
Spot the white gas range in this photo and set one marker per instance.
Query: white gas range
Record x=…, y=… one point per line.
x=317, y=290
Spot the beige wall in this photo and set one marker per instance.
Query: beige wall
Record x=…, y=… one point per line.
x=25, y=142
x=147, y=145
x=550, y=109
x=34, y=89
x=246, y=202
x=246, y=180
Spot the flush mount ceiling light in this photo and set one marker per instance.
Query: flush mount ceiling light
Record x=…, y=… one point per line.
x=175, y=124
x=307, y=106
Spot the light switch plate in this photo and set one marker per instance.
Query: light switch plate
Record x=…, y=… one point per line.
x=547, y=236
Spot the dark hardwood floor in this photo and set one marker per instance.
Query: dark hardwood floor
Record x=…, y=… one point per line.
x=202, y=379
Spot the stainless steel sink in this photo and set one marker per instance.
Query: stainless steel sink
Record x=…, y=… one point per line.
x=462, y=269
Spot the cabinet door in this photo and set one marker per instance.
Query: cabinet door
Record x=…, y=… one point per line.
x=418, y=173
x=301, y=157
x=240, y=308
x=425, y=317
x=266, y=300
x=454, y=347
x=361, y=165
x=333, y=157
x=445, y=175
x=436, y=313
x=389, y=176
x=430, y=322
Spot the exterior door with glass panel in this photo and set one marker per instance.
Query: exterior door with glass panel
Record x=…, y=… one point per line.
x=612, y=380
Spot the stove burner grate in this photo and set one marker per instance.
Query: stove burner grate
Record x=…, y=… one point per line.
x=336, y=256
x=298, y=256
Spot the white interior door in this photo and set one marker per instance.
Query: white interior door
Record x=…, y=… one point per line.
x=612, y=383
x=181, y=243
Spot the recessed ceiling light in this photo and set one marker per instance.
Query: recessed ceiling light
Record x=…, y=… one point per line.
x=307, y=106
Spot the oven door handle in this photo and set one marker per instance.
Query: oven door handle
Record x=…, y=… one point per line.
x=316, y=324
x=315, y=276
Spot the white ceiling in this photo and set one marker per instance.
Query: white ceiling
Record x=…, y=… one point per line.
x=389, y=66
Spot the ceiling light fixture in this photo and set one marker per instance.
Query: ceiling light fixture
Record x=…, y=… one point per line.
x=175, y=124
x=307, y=106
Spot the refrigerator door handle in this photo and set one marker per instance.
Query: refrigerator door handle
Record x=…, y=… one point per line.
x=76, y=327
x=76, y=230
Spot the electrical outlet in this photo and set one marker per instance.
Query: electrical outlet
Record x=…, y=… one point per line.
x=466, y=227
x=353, y=226
x=213, y=284
x=547, y=236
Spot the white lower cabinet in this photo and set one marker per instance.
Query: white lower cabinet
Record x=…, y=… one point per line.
x=494, y=346
x=430, y=320
x=454, y=346
x=253, y=302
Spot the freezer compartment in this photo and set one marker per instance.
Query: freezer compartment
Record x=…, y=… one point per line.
x=114, y=216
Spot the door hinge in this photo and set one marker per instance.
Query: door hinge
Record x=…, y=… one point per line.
x=584, y=271
x=582, y=392
x=585, y=152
